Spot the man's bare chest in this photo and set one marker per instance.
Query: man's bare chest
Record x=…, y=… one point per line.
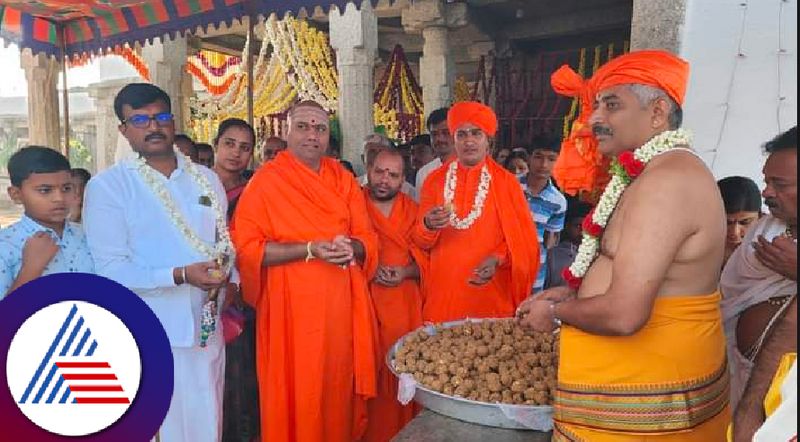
x=609, y=242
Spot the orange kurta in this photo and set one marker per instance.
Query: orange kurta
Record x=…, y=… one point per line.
x=398, y=311
x=504, y=229
x=315, y=341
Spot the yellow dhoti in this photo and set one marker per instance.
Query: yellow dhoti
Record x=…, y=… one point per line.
x=667, y=382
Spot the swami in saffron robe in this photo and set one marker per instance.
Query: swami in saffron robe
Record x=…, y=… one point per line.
x=504, y=229
x=316, y=346
x=398, y=311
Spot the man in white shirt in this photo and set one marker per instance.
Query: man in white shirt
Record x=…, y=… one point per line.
x=373, y=143
x=442, y=144
x=156, y=224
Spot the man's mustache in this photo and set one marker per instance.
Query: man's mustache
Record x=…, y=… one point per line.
x=155, y=136
x=771, y=203
x=601, y=130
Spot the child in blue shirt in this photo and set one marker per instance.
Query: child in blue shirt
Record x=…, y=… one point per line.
x=42, y=241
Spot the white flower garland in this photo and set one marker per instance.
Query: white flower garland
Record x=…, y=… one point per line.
x=590, y=245
x=281, y=34
x=480, y=196
x=223, y=244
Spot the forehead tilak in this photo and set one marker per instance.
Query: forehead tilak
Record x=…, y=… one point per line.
x=309, y=114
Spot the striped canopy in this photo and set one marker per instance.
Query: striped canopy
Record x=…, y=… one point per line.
x=86, y=27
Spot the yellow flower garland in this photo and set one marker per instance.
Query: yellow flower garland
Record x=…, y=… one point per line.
x=387, y=106
x=388, y=119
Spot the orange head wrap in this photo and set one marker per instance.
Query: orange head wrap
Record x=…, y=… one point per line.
x=580, y=166
x=472, y=112
x=660, y=69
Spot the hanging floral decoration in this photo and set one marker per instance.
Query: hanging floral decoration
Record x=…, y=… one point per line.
x=305, y=55
x=301, y=67
x=386, y=118
x=131, y=55
x=461, y=90
x=214, y=70
x=273, y=95
x=398, y=96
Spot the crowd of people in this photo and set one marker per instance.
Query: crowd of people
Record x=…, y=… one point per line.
x=673, y=324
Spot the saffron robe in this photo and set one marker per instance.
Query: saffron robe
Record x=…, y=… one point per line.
x=315, y=324
x=398, y=311
x=504, y=229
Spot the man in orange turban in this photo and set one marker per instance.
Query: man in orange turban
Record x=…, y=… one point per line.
x=475, y=222
x=306, y=249
x=644, y=296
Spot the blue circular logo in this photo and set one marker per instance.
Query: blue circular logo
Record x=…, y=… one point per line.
x=84, y=359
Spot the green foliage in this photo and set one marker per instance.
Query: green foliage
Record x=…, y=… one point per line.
x=8, y=145
x=79, y=155
x=618, y=170
x=336, y=130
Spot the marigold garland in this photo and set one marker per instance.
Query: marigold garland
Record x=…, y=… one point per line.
x=132, y=56
x=214, y=70
x=398, y=98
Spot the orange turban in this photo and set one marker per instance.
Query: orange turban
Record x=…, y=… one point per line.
x=580, y=167
x=660, y=69
x=472, y=112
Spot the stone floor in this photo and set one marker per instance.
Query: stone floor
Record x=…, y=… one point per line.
x=432, y=427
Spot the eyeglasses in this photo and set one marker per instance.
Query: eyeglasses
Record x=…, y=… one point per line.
x=142, y=121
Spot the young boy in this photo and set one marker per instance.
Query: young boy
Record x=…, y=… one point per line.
x=547, y=205
x=80, y=178
x=42, y=241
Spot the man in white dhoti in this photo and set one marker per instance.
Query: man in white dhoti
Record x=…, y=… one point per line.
x=156, y=224
x=760, y=278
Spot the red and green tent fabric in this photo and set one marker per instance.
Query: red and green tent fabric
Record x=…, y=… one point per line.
x=77, y=28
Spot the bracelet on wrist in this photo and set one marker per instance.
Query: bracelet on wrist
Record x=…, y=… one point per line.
x=183, y=275
x=309, y=253
x=556, y=321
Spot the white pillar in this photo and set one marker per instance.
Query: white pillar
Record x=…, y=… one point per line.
x=106, y=120
x=434, y=19
x=436, y=69
x=41, y=72
x=658, y=24
x=166, y=60
x=354, y=37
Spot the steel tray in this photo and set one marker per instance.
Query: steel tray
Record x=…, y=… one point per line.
x=483, y=413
